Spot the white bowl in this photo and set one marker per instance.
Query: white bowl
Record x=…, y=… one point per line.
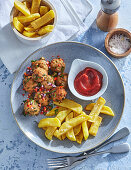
x=79, y=65
x=38, y=40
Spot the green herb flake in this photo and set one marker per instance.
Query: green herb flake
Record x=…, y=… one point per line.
x=56, y=111
x=62, y=69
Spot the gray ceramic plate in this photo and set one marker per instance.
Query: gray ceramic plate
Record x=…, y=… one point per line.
x=114, y=96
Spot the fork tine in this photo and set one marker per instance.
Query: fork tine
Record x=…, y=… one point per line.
x=59, y=166
x=57, y=161
x=60, y=163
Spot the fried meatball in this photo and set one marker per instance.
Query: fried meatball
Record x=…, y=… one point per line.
x=62, y=80
x=58, y=94
x=31, y=107
x=40, y=63
x=29, y=84
x=39, y=74
x=48, y=83
x=57, y=65
x=42, y=98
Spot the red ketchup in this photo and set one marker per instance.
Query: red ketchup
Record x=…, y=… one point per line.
x=88, y=82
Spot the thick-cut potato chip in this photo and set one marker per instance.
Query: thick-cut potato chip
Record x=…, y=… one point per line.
x=18, y=25
x=79, y=137
x=29, y=34
x=21, y=7
x=50, y=132
x=55, y=111
x=35, y=6
x=94, y=126
x=29, y=28
x=70, y=104
x=97, y=108
x=105, y=109
x=47, y=122
x=85, y=130
x=77, y=129
x=43, y=10
x=66, y=126
x=70, y=134
x=46, y=29
x=32, y=17
x=43, y=20
x=61, y=116
x=56, y=134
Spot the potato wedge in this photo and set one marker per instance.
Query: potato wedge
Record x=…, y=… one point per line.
x=70, y=104
x=21, y=7
x=43, y=20
x=29, y=34
x=18, y=25
x=43, y=10
x=46, y=29
x=77, y=129
x=29, y=29
x=70, y=134
x=56, y=135
x=94, y=126
x=35, y=6
x=55, y=111
x=105, y=109
x=61, y=116
x=85, y=130
x=97, y=108
x=66, y=126
x=54, y=122
x=79, y=137
x=85, y=127
x=32, y=17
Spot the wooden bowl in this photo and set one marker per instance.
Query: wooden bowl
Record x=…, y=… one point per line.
x=110, y=34
x=34, y=40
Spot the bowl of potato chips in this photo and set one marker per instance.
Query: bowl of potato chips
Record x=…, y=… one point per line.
x=33, y=21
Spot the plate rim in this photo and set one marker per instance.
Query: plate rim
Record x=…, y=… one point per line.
x=66, y=42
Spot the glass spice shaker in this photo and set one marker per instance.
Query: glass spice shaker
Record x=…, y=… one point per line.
x=107, y=18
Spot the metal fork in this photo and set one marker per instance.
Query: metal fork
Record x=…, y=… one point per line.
x=68, y=161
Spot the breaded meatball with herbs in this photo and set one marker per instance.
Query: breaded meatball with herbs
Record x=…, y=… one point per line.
x=29, y=84
x=42, y=63
x=39, y=74
x=48, y=83
x=42, y=98
x=57, y=65
x=31, y=107
x=58, y=94
x=62, y=80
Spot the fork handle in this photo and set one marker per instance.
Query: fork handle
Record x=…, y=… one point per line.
x=121, y=148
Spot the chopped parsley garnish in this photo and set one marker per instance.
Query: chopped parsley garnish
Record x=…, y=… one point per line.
x=33, y=60
x=39, y=84
x=56, y=111
x=62, y=69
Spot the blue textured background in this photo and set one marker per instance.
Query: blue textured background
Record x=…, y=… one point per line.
x=18, y=153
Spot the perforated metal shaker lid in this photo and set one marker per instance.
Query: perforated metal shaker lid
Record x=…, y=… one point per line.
x=110, y=6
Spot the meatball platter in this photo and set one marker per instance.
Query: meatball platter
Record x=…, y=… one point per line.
x=39, y=81
x=44, y=81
